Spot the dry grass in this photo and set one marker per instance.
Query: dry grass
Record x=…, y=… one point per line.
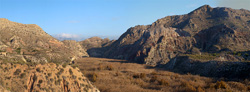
x=132, y=77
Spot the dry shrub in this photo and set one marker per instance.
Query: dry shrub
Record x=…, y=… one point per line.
x=139, y=82
x=163, y=82
x=17, y=72
x=221, y=84
x=22, y=75
x=154, y=73
x=141, y=75
x=187, y=87
x=200, y=89
x=100, y=67
x=153, y=79
x=93, y=77
x=248, y=88
x=110, y=67
x=239, y=86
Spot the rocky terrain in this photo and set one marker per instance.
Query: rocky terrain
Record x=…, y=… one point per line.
x=96, y=46
x=207, y=41
x=47, y=77
x=33, y=61
x=28, y=42
x=205, y=29
x=210, y=42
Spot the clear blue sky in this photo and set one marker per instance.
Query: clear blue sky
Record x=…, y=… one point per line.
x=94, y=17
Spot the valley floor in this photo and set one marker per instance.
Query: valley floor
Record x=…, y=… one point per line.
x=111, y=75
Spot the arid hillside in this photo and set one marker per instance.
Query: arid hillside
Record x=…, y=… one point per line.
x=47, y=77
x=28, y=42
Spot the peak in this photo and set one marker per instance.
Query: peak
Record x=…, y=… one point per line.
x=203, y=8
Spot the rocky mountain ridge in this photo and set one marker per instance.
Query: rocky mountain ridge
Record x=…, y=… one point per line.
x=204, y=30
x=30, y=42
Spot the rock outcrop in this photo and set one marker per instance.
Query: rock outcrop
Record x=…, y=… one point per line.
x=205, y=29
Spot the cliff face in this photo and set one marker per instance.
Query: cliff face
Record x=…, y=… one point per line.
x=43, y=78
x=205, y=29
x=31, y=42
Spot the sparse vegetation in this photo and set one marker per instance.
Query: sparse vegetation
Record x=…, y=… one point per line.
x=144, y=79
x=64, y=65
x=18, y=50
x=110, y=67
x=38, y=69
x=246, y=54
x=163, y=82
x=203, y=56
x=93, y=77
x=60, y=72
x=17, y=72
x=221, y=84
x=139, y=75
x=22, y=75
x=70, y=71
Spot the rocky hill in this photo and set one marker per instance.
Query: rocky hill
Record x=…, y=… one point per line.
x=28, y=42
x=31, y=60
x=96, y=46
x=47, y=77
x=204, y=30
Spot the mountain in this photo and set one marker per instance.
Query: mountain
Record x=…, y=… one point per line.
x=204, y=30
x=31, y=42
x=96, y=46
x=31, y=60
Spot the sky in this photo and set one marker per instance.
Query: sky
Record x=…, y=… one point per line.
x=104, y=18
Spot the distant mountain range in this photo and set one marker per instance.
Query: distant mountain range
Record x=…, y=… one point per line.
x=65, y=36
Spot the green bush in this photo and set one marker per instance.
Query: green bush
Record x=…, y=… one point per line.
x=74, y=65
x=64, y=65
x=18, y=50
x=214, y=54
x=246, y=55
x=71, y=72
x=239, y=54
